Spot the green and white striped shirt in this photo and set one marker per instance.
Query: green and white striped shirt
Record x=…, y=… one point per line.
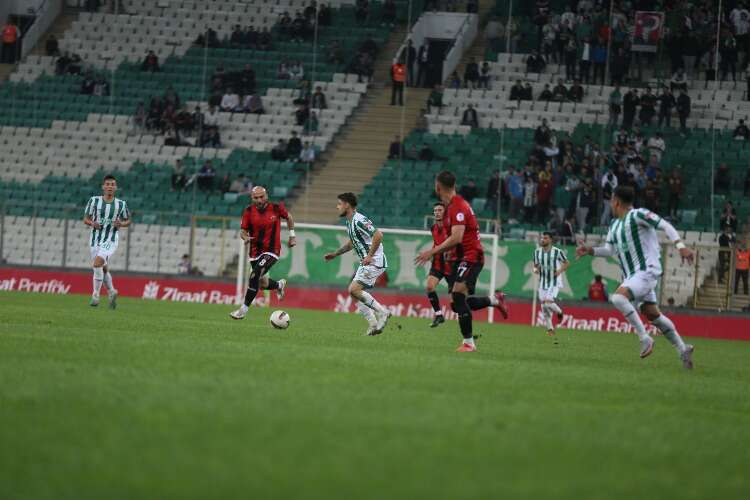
x=548, y=263
x=361, y=230
x=105, y=214
x=635, y=242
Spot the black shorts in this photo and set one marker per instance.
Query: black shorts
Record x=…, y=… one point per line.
x=441, y=275
x=262, y=264
x=467, y=273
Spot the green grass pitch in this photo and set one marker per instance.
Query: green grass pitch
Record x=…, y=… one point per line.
x=174, y=400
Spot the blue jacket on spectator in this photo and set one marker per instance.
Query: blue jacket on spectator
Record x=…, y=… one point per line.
x=515, y=186
x=599, y=54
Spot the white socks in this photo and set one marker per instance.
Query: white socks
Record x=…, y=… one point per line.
x=369, y=301
x=547, y=315
x=667, y=329
x=108, y=281
x=493, y=300
x=631, y=315
x=366, y=312
x=98, y=279
x=469, y=341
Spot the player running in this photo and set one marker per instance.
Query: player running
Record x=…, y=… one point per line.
x=441, y=267
x=366, y=240
x=106, y=215
x=261, y=229
x=549, y=263
x=467, y=258
x=632, y=237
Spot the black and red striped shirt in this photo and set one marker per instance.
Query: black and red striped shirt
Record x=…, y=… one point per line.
x=459, y=213
x=264, y=227
x=439, y=262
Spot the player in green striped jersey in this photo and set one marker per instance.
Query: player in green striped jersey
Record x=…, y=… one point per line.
x=549, y=263
x=106, y=215
x=366, y=241
x=633, y=239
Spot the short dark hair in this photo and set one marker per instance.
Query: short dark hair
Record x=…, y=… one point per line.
x=548, y=233
x=598, y=278
x=109, y=177
x=349, y=198
x=438, y=204
x=446, y=179
x=625, y=194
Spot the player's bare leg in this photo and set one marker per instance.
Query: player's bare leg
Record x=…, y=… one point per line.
x=432, y=283
x=98, y=267
x=667, y=328
x=357, y=291
x=621, y=300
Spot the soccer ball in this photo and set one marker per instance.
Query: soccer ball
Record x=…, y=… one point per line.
x=280, y=320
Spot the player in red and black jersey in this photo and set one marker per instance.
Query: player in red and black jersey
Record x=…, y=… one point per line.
x=441, y=267
x=261, y=230
x=467, y=258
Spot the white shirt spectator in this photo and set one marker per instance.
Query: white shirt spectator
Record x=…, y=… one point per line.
x=211, y=118
x=657, y=146
x=296, y=72
x=230, y=102
x=568, y=16
x=740, y=20
x=307, y=154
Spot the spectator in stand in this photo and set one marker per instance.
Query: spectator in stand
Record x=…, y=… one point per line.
x=422, y=60
x=722, y=179
x=396, y=149
x=484, y=75
x=529, y=197
x=303, y=93
x=239, y=185
x=571, y=59
x=728, y=217
x=278, y=153
x=398, y=79
x=155, y=113
x=516, y=91
x=560, y=92
x=282, y=70
x=728, y=56
x=608, y=185
x=10, y=51
x=264, y=40
x=52, y=46
x=253, y=104
x=246, y=80
x=140, y=117
x=584, y=204
x=727, y=241
x=237, y=38
x=515, y=193
x=675, y=188
x=296, y=71
x=230, y=103
x=301, y=114
x=435, y=100
x=657, y=146
x=211, y=138
x=618, y=67
x=535, y=63
x=741, y=132
x=598, y=290
x=293, y=146
x=546, y=94
x=101, y=87
x=615, y=106
x=599, y=58
x=150, y=62
x=667, y=102
x=362, y=11
x=178, y=176
x=87, y=85
x=567, y=231
x=575, y=93
x=426, y=153
x=742, y=267
x=678, y=81
x=206, y=176
x=410, y=55
x=528, y=92
x=585, y=55
x=183, y=121
x=311, y=124
x=388, y=13
x=494, y=33
x=469, y=191
x=648, y=108
x=629, y=105
x=542, y=134
x=184, y=266
x=544, y=189
x=683, y=110
x=471, y=74
x=307, y=155
x=470, y=117
x=318, y=99
x=335, y=53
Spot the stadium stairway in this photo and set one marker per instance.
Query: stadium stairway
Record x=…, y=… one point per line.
x=63, y=23
x=478, y=49
x=362, y=146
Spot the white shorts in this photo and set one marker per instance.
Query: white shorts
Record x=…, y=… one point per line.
x=104, y=250
x=368, y=275
x=550, y=294
x=642, y=286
